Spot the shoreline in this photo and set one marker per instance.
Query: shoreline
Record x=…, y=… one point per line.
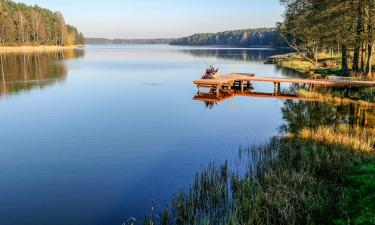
x=363, y=96
x=39, y=48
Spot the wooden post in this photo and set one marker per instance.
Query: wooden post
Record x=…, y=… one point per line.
x=199, y=89
x=241, y=83
x=275, y=88
x=278, y=88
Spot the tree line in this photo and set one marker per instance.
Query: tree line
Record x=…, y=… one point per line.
x=106, y=41
x=236, y=38
x=342, y=26
x=32, y=25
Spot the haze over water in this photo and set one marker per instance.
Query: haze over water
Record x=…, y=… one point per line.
x=96, y=136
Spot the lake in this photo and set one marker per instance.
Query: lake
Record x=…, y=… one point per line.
x=102, y=134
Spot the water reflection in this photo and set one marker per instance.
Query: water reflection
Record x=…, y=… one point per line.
x=26, y=71
x=302, y=114
x=212, y=99
x=254, y=55
x=287, y=71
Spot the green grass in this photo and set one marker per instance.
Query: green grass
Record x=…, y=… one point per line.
x=358, y=198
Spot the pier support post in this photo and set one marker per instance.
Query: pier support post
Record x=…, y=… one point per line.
x=241, y=83
x=276, y=88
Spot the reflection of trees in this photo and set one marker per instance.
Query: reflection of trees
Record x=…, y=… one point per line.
x=287, y=71
x=27, y=71
x=256, y=55
x=301, y=114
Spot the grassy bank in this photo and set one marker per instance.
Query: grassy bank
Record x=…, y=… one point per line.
x=303, y=178
x=365, y=97
x=38, y=48
x=361, y=96
x=296, y=63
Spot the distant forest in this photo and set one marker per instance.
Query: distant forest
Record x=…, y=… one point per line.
x=237, y=38
x=269, y=37
x=105, y=41
x=32, y=25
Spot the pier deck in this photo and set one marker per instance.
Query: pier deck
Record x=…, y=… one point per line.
x=242, y=80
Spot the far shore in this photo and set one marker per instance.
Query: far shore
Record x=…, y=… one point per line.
x=39, y=48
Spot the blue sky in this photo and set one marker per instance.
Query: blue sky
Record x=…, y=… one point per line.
x=163, y=18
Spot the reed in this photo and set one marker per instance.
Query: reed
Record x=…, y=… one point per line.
x=293, y=179
x=335, y=98
x=356, y=139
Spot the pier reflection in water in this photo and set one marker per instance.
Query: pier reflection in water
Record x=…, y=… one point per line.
x=30, y=70
x=301, y=112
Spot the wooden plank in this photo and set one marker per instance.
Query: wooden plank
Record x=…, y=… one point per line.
x=229, y=79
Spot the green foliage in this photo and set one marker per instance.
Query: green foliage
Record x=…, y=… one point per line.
x=237, y=38
x=311, y=26
x=358, y=198
x=31, y=25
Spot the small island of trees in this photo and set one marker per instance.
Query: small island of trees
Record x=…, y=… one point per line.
x=22, y=25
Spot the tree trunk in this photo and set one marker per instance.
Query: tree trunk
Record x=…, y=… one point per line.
x=344, y=63
x=358, y=39
x=369, y=60
x=363, y=51
x=316, y=54
x=369, y=47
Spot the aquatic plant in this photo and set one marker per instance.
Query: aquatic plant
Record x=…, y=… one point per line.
x=293, y=179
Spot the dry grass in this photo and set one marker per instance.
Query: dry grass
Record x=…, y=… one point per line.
x=296, y=63
x=333, y=99
x=356, y=139
x=40, y=48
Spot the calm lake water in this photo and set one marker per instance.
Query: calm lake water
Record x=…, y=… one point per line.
x=95, y=136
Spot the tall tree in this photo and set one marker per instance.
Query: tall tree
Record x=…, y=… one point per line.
x=360, y=6
x=325, y=24
x=22, y=25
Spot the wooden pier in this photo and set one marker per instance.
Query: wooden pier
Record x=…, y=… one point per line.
x=244, y=81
